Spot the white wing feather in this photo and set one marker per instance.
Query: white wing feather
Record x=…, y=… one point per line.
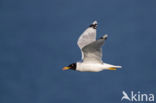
x=93, y=51
x=87, y=37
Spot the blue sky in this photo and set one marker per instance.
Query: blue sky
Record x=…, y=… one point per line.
x=39, y=37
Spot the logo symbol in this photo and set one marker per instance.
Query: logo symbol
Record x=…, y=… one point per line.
x=140, y=97
x=125, y=96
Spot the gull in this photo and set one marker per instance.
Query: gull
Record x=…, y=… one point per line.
x=91, y=50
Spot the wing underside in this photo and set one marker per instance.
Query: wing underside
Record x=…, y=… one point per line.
x=93, y=51
x=88, y=36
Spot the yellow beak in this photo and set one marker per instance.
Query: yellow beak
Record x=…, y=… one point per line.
x=65, y=68
x=112, y=68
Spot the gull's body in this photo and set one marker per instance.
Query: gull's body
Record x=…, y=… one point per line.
x=94, y=67
x=91, y=50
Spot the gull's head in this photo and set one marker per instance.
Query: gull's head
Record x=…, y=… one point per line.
x=70, y=67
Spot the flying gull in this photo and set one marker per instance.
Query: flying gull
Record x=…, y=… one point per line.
x=91, y=50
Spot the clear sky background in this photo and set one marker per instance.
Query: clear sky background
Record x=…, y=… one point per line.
x=39, y=37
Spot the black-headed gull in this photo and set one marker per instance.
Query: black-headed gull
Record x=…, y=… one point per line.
x=91, y=50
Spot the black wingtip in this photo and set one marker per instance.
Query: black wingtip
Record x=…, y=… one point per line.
x=94, y=25
x=104, y=37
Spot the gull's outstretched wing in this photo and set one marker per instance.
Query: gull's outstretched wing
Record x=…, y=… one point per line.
x=93, y=51
x=88, y=36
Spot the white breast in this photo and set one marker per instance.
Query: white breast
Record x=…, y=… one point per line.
x=89, y=67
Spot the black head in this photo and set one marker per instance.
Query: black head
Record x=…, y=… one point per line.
x=71, y=67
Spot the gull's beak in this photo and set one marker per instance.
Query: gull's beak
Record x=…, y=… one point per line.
x=65, y=68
